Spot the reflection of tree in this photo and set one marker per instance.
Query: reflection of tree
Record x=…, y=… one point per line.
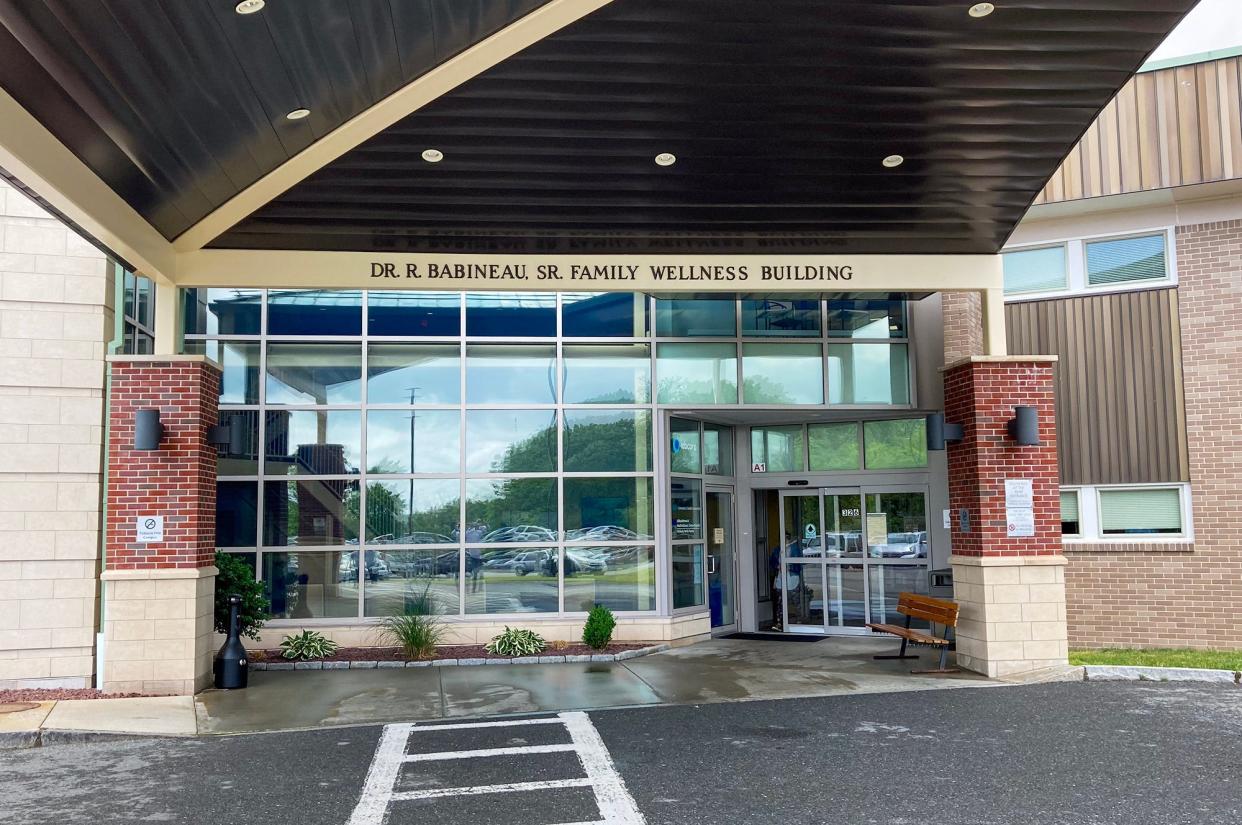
x=607, y=446
x=534, y=454
x=517, y=501
x=834, y=446
x=896, y=444
x=761, y=389
x=682, y=390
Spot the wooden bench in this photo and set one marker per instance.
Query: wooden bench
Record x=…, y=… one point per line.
x=936, y=611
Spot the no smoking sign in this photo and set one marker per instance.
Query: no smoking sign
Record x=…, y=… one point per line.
x=149, y=529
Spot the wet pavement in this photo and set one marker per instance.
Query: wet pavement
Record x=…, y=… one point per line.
x=721, y=670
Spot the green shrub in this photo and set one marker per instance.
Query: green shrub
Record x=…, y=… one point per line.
x=419, y=630
x=236, y=578
x=307, y=645
x=600, y=623
x=516, y=641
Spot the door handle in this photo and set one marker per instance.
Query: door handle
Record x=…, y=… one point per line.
x=711, y=564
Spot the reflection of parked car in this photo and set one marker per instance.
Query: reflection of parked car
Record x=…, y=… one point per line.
x=522, y=532
x=606, y=532
x=901, y=546
x=576, y=562
x=530, y=561
x=376, y=567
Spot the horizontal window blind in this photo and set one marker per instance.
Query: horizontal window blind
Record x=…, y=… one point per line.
x=1069, y=506
x=1140, y=511
x=1035, y=270
x=1125, y=259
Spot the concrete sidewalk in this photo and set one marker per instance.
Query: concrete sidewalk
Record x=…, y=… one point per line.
x=720, y=670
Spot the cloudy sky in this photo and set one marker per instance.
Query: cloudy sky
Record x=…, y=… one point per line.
x=1214, y=24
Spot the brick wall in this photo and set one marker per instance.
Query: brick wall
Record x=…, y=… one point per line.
x=981, y=396
x=963, y=325
x=1168, y=594
x=178, y=480
x=55, y=317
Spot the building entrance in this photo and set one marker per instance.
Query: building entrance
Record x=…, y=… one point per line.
x=845, y=555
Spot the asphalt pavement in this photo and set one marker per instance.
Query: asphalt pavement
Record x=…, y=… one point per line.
x=1068, y=752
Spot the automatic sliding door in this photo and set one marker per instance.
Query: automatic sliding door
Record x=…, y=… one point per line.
x=800, y=583
x=843, y=553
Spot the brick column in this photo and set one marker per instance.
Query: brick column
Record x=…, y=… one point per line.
x=1011, y=589
x=159, y=595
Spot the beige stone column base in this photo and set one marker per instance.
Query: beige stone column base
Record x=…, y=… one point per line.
x=158, y=630
x=1012, y=616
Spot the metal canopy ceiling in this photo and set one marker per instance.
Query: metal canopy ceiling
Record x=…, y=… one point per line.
x=779, y=114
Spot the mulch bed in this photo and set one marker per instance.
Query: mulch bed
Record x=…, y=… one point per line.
x=395, y=654
x=55, y=694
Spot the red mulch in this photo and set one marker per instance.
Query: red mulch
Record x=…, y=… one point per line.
x=54, y=694
x=395, y=654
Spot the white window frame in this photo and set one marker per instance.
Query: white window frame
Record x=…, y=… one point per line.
x=1090, y=530
x=1076, y=265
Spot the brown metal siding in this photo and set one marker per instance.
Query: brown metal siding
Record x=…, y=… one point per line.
x=1120, y=414
x=1172, y=127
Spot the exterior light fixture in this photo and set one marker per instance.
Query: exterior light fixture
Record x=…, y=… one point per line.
x=147, y=430
x=230, y=437
x=665, y=159
x=893, y=161
x=1024, y=426
x=249, y=6
x=298, y=114
x=433, y=155
x=981, y=9
x=938, y=432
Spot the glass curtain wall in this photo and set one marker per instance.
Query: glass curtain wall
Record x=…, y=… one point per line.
x=492, y=453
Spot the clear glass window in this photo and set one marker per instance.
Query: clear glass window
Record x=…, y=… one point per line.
x=414, y=314
x=833, y=446
x=1070, y=525
x=608, y=509
x=685, y=446
x=310, y=513
x=773, y=318
x=697, y=373
x=1141, y=511
x=607, y=441
x=867, y=319
x=315, y=585
x=511, y=510
x=607, y=373
x=687, y=575
x=413, y=374
x=699, y=318
x=243, y=462
x=895, y=445
x=518, y=581
x=782, y=449
x=619, y=578
x=313, y=442
x=687, y=508
x=239, y=363
x=418, y=583
x=868, y=374
x=413, y=441
x=510, y=374
x=314, y=374
x=222, y=311
x=510, y=315
x=717, y=450
x=237, y=513
x=1122, y=260
x=511, y=441
x=1035, y=270
x=314, y=312
x=603, y=315
x=783, y=373
x=414, y=511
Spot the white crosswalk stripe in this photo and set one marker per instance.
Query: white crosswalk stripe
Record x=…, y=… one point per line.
x=379, y=793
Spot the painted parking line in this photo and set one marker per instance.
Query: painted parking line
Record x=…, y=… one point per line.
x=616, y=805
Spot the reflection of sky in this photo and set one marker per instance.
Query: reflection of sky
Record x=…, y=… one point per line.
x=611, y=374
x=342, y=427
x=429, y=374
x=783, y=373
x=314, y=373
x=436, y=440
x=510, y=375
x=870, y=373
x=489, y=433
x=429, y=493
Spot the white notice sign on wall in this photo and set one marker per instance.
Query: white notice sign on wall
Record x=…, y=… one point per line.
x=1019, y=521
x=149, y=529
x=1019, y=492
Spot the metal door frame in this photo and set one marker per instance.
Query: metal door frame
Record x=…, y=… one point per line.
x=730, y=490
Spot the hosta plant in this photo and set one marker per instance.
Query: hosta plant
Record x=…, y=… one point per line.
x=516, y=641
x=307, y=645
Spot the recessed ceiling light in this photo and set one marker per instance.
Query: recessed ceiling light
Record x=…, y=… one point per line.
x=298, y=114
x=249, y=6
x=433, y=155
x=893, y=161
x=981, y=9
x=665, y=159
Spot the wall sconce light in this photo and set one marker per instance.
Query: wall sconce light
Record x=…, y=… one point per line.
x=230, y=437
x=938, y=432
x=1024, y=426
x=147, y=430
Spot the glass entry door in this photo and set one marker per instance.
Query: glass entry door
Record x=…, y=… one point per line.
x=847, y=554
x=721, y=560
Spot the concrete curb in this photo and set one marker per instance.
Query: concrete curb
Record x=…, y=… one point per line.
x=1120, y=673
x=541, y=659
